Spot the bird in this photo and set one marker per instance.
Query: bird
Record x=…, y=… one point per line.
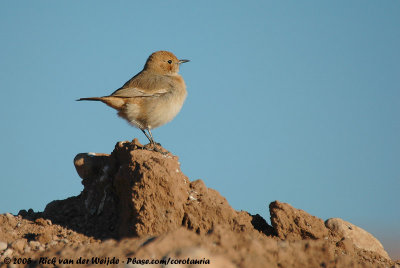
x=151, y=98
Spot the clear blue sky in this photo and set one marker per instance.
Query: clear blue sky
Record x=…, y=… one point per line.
x=297, y=101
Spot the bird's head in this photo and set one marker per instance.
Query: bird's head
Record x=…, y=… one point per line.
x=163, y=62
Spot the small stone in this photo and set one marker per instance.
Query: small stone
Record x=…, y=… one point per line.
x=27, y=249
x=65, y=241
x=86, y=164
x=3, y=245
x=136, y=143
x=34, y=245
x=41, y=222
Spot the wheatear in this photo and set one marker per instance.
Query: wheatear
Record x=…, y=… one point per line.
x=151, y=98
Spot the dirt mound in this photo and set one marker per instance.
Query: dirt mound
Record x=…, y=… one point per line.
x=137, y=207
x=135, y=192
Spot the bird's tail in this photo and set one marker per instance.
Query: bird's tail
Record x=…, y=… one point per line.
x=90, y=99
x=114, y=102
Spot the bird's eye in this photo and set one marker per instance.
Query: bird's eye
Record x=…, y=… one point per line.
x=170, y=61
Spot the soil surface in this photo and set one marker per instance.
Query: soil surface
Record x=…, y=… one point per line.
x=137, y=209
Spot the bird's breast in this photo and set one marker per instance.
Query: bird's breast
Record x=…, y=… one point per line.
x=165, y=108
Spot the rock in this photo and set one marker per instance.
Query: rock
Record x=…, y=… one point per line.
x=359, y=237
x=295, y=224
x=3, y=245
x=34, y=245
x=41, y=222
x=89, y=164
x=158, y=194
x=19, y=245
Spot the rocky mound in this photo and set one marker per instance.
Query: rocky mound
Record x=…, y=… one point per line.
x=137, y=207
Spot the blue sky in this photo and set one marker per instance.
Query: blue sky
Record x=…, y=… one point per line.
x=288, y=100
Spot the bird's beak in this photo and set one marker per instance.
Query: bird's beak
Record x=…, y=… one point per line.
x=183, y=61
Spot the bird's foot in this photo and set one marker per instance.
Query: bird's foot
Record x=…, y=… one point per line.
x=159, y=150
x=154, y=147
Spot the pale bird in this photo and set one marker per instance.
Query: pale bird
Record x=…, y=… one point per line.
x=151, y=98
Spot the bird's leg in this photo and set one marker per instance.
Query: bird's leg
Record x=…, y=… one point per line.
x=155, y=144
x=151, y=135
x=152, y=142
x=150, y=139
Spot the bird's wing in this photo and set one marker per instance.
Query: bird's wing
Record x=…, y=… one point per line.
x=132, y=92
